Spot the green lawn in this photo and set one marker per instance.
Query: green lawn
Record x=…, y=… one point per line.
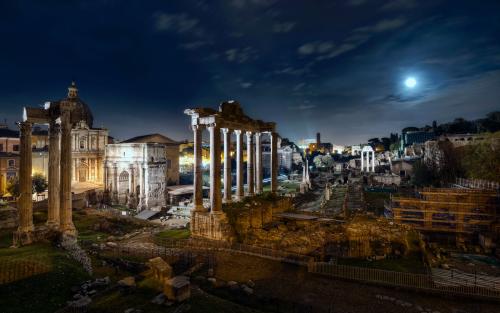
x=44, y=292
x=174, y=234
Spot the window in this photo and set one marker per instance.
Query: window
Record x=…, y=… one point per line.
x=169, y=164
x=1, y=147
x=12, y=163
x=15, y=147
x=82, y=144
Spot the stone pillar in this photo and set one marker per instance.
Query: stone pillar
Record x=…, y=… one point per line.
x=53, y=219
x=239, y=165
x=215, y=168
x=250, y=164
x=25, y=201
x=258, y=163
x=66, y=214
x=115, y=184
x=197, y=169
x=362, y=161
x=274, y=162
x=227, y=165
x=373, y=161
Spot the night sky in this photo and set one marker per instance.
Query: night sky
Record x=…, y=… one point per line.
x=337, y=67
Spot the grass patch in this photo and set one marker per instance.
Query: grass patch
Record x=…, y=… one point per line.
x=174, y=234
x=44, y=292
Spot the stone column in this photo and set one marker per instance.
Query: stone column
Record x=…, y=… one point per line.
x=227, y=165
x=362, y=161
x=215, y=168
x=373, y=161
x=250, y=165
x=197, y=169
x=239, y=165
x=274, y=162
x=258, y=163
x=53, y=219
x=25, y=200
x=115, y=184
x=66, y=214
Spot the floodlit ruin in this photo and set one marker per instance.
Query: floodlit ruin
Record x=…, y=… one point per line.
x=211, y=222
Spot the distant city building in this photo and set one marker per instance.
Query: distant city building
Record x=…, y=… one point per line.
x=9, y=139
x=9, y=169
x=411, y=137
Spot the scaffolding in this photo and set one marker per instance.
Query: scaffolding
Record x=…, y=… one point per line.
x=448, y=210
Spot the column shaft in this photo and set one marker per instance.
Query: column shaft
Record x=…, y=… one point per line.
x=239, y=165
x=54, y=200
x=66, y=214
x=250, y=164
x=362, y=161
x=25, y=201
x=258, y=163
x=227, y=166
x=215, y=169
x=274, y=162
x=197, y=169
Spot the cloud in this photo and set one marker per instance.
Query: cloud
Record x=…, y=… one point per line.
x=283, y=27
x=383, y=25
x=241, y=55
x=180, y=23
x=303, y=107
x=399, y=5
x=318, y=47
x=246, y=85
x=194, y=45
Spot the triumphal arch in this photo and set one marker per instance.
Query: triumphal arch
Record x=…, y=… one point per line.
x=61, y=116
x=211, y=222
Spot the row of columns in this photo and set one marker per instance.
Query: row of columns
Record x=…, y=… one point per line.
x=59, y=179
x=366, y=162
x=254, y=165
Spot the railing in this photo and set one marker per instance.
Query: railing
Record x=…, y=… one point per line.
x=14, y=270
x=210, y=245
x=404, y=280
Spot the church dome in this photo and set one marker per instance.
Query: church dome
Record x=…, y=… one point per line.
x=82, y=108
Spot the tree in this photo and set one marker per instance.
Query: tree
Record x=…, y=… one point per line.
x=39, y=183
x=13, y=187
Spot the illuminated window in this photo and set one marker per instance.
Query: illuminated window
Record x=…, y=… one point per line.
x=12, y=163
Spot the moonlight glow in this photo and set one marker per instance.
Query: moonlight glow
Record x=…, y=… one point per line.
x=410, y=82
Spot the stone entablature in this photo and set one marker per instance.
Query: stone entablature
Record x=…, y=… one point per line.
x=135, y=173
x=227, y=120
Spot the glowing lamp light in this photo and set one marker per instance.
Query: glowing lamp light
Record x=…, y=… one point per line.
x=410, y=82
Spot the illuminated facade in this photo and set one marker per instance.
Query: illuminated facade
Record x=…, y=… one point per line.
x=135, y=174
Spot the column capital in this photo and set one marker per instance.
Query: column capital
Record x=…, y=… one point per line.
x=238, y=131
x=249, y=133
x=197, y=127
x=226, y=130
x=25, y=127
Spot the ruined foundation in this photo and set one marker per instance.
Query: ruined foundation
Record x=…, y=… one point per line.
x=208, y=225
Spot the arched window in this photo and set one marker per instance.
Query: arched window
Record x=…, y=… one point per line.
x=123, y=176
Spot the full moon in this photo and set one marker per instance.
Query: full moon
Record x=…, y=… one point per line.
x=410, y=82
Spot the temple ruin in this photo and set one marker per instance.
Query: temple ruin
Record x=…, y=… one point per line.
x=61, y=116
x=211, y=222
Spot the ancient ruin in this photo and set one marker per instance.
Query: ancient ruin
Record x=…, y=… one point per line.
x=367, y=159
x=61, y=116
x=228, y=119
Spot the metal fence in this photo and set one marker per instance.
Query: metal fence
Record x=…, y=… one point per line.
x=405, y=280
x=14, y=270
x=201, y=244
